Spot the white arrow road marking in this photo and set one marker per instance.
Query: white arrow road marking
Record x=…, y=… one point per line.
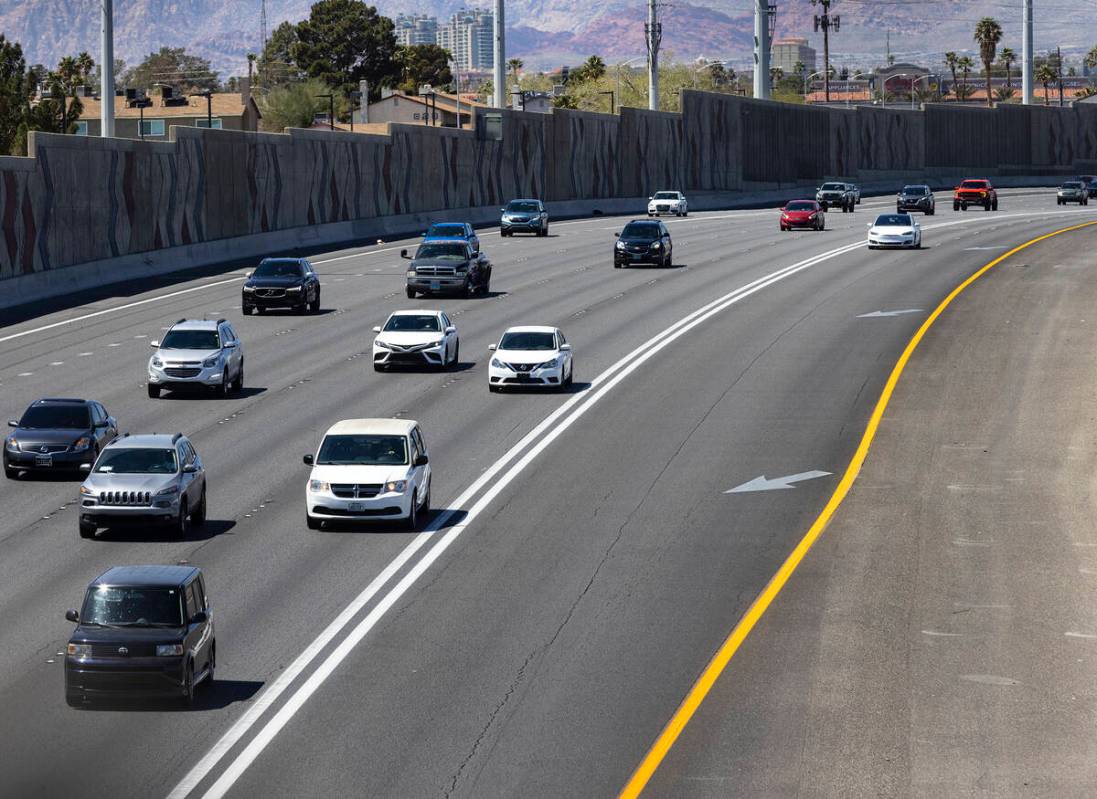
x=777, y=483
x=876, y=314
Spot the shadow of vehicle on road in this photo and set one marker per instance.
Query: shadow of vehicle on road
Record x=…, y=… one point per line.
x=215, y=695
x=152, y=532
x=390, y=526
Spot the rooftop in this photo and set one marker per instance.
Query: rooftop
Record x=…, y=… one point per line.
x=143, y=441
x=206, y=324
x=165, y=576
x=383, y=427
x=224, y=104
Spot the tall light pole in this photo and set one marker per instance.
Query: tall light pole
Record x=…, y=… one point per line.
x=761, y=49
x=624, y=64
x=826, y=22
x=654, y=36
x=1026, y=54
x=106, y=65
x=499, y=74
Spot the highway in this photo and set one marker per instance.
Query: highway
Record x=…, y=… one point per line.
x=584, y=560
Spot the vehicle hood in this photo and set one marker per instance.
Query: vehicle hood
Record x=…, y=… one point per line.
x=28, y=439
x=123, y=636
x=526, y=356
x=634, y=241
x=798, y=214
x=914, y=197
x=175, y=356
x=890, y=230
x=407, y=338
x=970, y=190
x=360, y=474
x=672, y=201
x=416, y=263
x=274, y=282
x=107, y=481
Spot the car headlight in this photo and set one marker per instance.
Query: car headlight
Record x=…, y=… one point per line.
x=294, y=288
x=319, y=486
x=437, y=343
x=462, y=269
x=550, y=364
x=249, y=288
x=79, y=650
x=411, y=273
x=655, y=245
x=211, y=361
x=396, y=486
x=784, y=216
x=167, y=492
x=620, y=245
x=169, y=650
x=13, y=444
x=381, y=344
x=497, y=363
x=87, y=492
x=82, y=443
x=156, y=362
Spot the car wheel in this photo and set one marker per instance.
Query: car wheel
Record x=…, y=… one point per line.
x=211, y=667
x=571, y=375
x=412, y=520
x=994, y=206
x=238, y=383
x=87, y=529
x=74, y=698
x=455, y=362
x=411, y=293
x=259, y=309
x=378, y=367
x=198, y=515
x=956, y=206
x=182, y=523
x=494, y=389
x=616, y=264
x=188, y=686
x=225, y=388
x=424, y=509
x=931, y=212
x=314, y=306
x=313, y=524
x=154, y=391
x=986, y=205
x=246, y=310
x=669, y=260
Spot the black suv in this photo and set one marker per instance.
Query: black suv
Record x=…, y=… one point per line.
x=56, y=434
x=447, y=267
x=282, y=283
x=643, y=242
x=916, y=198
x=141, y=630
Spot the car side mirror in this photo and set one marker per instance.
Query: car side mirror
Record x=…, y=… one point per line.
x=248, y=274
x=491, y=348
x=376, y=328
x=403, y=253
x=201, y=617
x=13, y=423
x=189, y=468
x=565, y=348
x=868, y=225
x=502, y=210
x=72, y=615
x=230, y=345
x=154, y=344
x=307, y=460
x=85, y=467
x=102, y=423
x=451, y=330
x=616, y=235
x=421, y=460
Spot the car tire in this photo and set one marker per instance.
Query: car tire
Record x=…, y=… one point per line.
x=424, y=509
x=411, y=522
x=198, y=515
x=616, y=264
x=246, y=310
x=994, y=205
x=669, y=260
x=314, y=306
x=154, y=391
x=10, y=473
x=494, y=389
x=411, y=293
x=956, y=206
x=456, y=360
x=378, y=367
x=188, y=686
x=87, y=529
x=211, y=667
x=74, y=698
x=182, y=522
x=238, y=383
x=986, y=205
x=571, y=375
x=931, y=212
x=225, y=388
x=259, y=309
x=313, y=524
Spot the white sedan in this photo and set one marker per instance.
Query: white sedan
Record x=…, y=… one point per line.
x=894, y=230
x=416, y=338
x=535, y=356
x=668, y=202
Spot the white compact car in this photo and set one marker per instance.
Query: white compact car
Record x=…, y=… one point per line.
x=530, y=356
x=366, y=470
x=416, y=338
x=668, y=202
x=894, y=230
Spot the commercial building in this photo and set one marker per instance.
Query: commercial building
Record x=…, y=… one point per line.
x=469, y=38
x=417, y=29
x=786, y=53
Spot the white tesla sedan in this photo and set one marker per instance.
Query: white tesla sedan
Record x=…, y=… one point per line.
x=894, y=230
x=533, y=355
x=416, y=338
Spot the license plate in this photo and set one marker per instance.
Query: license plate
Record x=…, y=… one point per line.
x=435, y=285
x=356, y=507
x=43, y=460
x=523, y=375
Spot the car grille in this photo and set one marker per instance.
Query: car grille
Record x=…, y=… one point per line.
x=409, y=347
x=181, y=371
x=47, y=448
x=132, y=650
x=435, y=271
x=125, y=498
x=270, y=293
x=355, y=490
x=391, y=510
x=636, y=247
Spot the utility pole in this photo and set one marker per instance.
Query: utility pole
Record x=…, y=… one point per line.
x=761, y=49
x=106, y=63
x=500, y=65
x=263, y=25
x=1059, y=69
x=825, y=22
x=653, y=35
x=1026, y=54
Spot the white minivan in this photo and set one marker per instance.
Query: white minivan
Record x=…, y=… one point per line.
x=369, y=470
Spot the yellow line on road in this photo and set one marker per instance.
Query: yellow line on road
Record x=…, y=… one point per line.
x=639, y=779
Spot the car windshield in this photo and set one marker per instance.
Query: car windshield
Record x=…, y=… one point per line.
x=118, y=606
x=441, y=251
x=893, y=220
x=918, y=191
x=522, y=206
x=413, y=323
x=640, y=230
x=800, y=206
x=66, y=417
x=363, y=450
x=136, y=461
x=191, y=340
x=833, y=186
x=447, y=230
x=666, y=195
x=973, y=184
x=528, y=341
x=280, y=269
x=1072, y=185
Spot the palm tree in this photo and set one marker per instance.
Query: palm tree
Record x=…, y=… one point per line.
x=965, y=65
x=951, y=61
x=988, y=33
x=1004, y=93
x=594, y=67
x=1007, y=57
x=1045, y=74
x=1091, y=58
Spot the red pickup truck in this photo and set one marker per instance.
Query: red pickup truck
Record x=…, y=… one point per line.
x=975, y=192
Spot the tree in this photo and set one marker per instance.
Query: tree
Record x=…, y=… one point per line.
x=965, y=65
x=1046, y=74
x=1091, y=58
x=564, y=101
x=275, y=65
x=13, y=97
x=174, y=67
x=1004, y=93
x=591, y=69
x=423, y=63
x=346, y=41
x=1007, y=57
x=292, y=105
x=952, y=61
x=988, y=33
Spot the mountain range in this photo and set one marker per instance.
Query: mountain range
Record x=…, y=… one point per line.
x=547, y=33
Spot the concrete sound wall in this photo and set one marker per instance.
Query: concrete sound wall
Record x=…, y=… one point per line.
x=119, y=205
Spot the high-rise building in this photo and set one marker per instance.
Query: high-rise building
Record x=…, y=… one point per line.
x=469, y=38
x=785, y=53
x=417, y=29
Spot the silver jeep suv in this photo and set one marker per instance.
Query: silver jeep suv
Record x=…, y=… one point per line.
x=197, y=352
x=145, y=478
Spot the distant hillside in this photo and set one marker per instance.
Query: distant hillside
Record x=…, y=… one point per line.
x=546, y=32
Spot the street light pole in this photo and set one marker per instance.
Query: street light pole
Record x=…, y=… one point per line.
x=761, y=49
x=1026, y=53
x=106, y=59
x=499, y=73
x=654, y=37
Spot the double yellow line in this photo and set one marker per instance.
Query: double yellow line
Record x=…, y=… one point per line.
x=639, y=779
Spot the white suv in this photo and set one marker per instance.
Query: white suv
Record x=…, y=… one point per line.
x=668, y=202
x=197, y=352
x=367, y=469
x=416, y=338
x=533, y=355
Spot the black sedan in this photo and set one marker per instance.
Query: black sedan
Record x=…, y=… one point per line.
x=282, y=283
x=57, y=435
x=916, y=198
x=447, y=267
x=643, y=242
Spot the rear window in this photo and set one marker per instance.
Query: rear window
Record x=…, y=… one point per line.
x=64, y=417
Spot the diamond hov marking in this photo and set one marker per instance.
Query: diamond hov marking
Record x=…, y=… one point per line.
x=776, y=484
x=878, y=314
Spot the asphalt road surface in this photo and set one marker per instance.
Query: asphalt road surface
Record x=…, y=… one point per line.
x=585, y=561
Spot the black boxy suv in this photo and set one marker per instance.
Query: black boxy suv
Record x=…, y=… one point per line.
x=142, y=630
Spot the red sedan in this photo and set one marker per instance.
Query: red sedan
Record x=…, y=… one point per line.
x=803, y=213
